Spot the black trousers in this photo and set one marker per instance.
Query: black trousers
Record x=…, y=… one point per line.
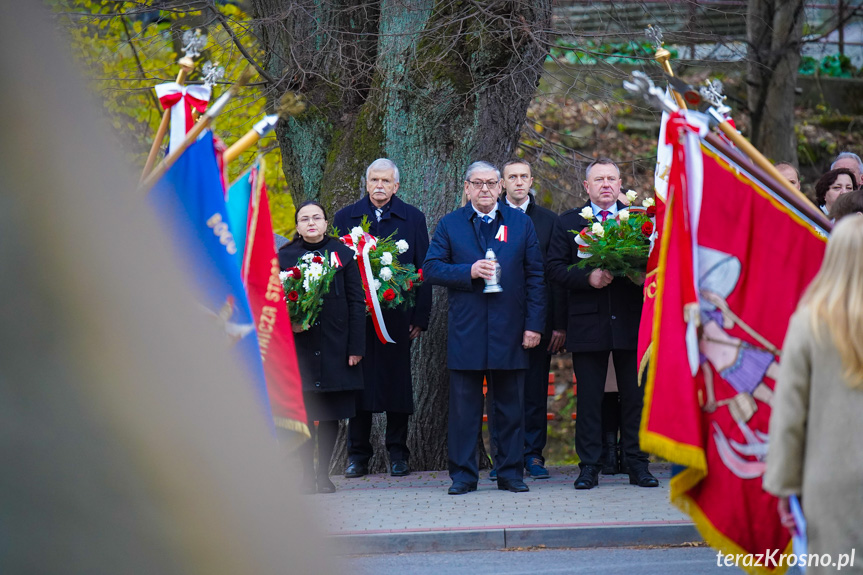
x=360, y=429
x=535, y=405
x=591, y=369
x=465, y=422
x=536, y=401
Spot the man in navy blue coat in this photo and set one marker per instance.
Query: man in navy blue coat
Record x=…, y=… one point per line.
x=387, y=367
x=489, y=333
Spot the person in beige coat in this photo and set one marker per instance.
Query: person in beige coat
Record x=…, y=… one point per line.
x=817, y=418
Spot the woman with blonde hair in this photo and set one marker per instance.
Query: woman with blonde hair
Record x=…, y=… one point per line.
x=817, y=417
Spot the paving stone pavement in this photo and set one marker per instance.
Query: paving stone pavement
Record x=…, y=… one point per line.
x=379, y=513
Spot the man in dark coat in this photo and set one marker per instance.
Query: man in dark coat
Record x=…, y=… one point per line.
x=489, y=333
x=387, y=367
x=604, y=313
x=517, y=182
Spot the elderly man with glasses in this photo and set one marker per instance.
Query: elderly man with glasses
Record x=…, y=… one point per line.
x=489, y=331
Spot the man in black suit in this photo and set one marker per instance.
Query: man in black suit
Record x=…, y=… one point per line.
x=517, y=181
x=387, y=367
x=488, y=333
x=604, y=313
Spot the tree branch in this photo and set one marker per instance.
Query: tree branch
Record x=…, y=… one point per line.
x=224, y=22
x=153, y=99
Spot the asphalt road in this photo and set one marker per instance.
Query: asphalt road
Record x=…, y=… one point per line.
x=613, y=561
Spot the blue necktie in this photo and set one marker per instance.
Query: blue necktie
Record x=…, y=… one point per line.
x=486, y=219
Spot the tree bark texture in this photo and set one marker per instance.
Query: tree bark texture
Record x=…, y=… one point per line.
x=775, y=32
x=432, y=85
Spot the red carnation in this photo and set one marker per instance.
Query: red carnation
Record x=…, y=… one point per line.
x=318, y=259
x=420, y=272
x=647, y=228
x=295, y=273
x=651, y=211
x=293, y=296
x=389, y=295
x=410, y=285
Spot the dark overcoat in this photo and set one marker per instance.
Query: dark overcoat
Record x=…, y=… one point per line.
x=555, y=295
x=486, y=330
x=387, y=367
x=599, y=319
x=323, y=349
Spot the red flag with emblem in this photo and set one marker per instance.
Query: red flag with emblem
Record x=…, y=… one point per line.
x=745, y=255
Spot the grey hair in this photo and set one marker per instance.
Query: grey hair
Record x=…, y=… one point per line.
x=477, y=166
x=383, y=164
x=851, y=155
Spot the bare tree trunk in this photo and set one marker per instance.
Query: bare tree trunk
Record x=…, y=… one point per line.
x=431, y=85
x=775, y=31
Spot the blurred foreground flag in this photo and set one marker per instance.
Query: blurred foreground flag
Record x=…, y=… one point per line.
x=190, y=202
x=734, y=259
x=249, y=210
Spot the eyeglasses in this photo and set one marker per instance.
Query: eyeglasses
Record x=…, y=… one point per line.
x=478, y=185
x=317, y=219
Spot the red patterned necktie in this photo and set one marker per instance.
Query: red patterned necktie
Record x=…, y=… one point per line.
x=604, y=214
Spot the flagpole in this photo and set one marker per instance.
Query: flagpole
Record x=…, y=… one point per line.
x=260, y=130
x=779, y=185
x=663, y=56
x=196, y=130
x=290, y=104
x=760, y=167
x=747, y=148
x=186, y=67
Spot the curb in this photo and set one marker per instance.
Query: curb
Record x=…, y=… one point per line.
x=636, y=534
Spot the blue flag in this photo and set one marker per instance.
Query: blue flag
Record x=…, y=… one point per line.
x=239, y=196
x=190, y=202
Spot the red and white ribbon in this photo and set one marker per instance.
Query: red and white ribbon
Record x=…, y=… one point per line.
x=368, y=242
x=181, y=100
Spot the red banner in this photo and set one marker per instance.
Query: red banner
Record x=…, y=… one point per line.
x=751, y=255
x=267, y=300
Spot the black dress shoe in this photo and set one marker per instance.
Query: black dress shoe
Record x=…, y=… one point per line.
x=460, y=488
x=643, y=478
x=588, y=478
x=400, y=469
x=356, y=469
x=514, y=485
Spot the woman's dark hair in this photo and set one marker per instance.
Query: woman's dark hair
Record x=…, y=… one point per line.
x=824, y=182
x=850, y=203
x=297, y=214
